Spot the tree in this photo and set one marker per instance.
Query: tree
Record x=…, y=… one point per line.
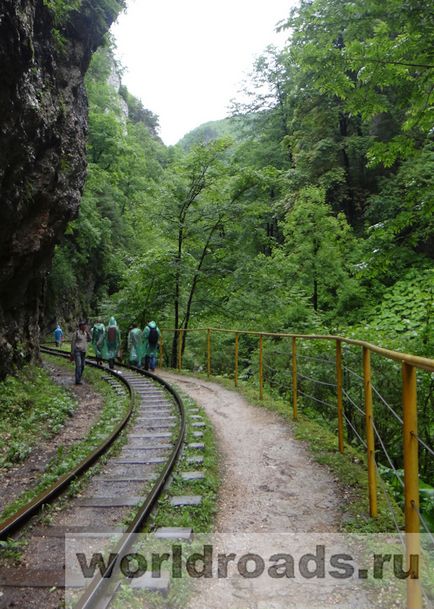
x=376, y=58
x=319, y=247
x=125, y=162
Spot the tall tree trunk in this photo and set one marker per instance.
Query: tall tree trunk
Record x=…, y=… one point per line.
x=315, y=294
x=349, y=203
x=195, y=281
x=177, y=294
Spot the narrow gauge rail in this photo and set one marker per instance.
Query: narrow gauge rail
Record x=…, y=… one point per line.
x=133, y=379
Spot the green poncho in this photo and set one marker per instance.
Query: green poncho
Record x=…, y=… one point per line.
x=112, y=340
x=98, y=335
x=135, y=346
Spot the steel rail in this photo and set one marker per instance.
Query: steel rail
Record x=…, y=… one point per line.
x=102, y=581
x=100, y=584
x=22, y=516
x=413, y=360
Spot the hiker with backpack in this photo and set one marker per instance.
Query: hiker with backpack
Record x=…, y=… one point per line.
x=98, y=335
x=135, y=346
x=151, y=337
x=112, y=342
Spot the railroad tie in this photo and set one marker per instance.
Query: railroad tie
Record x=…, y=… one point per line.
x=192, y=476
x=196, y=460
x=174, y=533
x=186, y=500
x=139, y=461
x=109, y=502
x=153, y=435
x=152, y=447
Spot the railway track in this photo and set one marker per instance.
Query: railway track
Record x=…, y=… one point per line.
x=134, y=479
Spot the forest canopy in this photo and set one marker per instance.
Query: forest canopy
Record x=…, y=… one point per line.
x=309, y=209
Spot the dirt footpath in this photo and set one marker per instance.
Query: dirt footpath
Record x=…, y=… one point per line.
x=273, y=498
x=269, y=480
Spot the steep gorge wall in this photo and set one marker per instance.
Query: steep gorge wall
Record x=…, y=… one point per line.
x=43, y=121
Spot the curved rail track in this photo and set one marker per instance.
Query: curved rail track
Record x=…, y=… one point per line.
x=154, y=424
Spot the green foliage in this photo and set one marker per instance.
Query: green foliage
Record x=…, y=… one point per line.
x=321, y=249
x=318, y=202
x=62, y=8
x=11, y=549
x=137, y=113
x=402, y=218
x=371, y=55
x=101, y=14
x=321, y=231
x=46, y=413
x=310, y=210
x=394, y=481
x=32, y=407
x=213, y=130
x=125, y=163
x=273, y=297
x=407, y=307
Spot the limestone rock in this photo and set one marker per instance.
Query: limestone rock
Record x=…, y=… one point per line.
x=43, y=123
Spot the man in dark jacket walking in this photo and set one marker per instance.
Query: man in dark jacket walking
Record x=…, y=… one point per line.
x=79, y=344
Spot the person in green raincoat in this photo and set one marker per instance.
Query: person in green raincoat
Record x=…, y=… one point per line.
x=98, y=335
x=135, y=346
x=151, y=337
x=112, y=342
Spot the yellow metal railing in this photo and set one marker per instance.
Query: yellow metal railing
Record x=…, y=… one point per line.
x=409, y=364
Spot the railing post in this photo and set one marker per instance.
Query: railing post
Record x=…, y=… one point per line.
x=411, y=482
x=236, y=360
x=370, y=439
x=161, y=351
x=294, y=378
x=180, y=338
x=261, y=371
x=209, y=352
x=339, y=395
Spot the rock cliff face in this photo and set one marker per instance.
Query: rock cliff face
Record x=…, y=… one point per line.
x=45, y=50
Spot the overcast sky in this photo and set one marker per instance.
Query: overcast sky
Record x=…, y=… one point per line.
x=185, y=59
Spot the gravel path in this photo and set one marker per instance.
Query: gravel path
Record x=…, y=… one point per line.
x=271, y=487
x=269, y=480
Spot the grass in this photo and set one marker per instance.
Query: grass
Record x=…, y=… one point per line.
x=11, y=549
x=32, y=408
x=114, y=408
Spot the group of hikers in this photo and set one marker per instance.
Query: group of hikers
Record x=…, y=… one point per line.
x=106, y=340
